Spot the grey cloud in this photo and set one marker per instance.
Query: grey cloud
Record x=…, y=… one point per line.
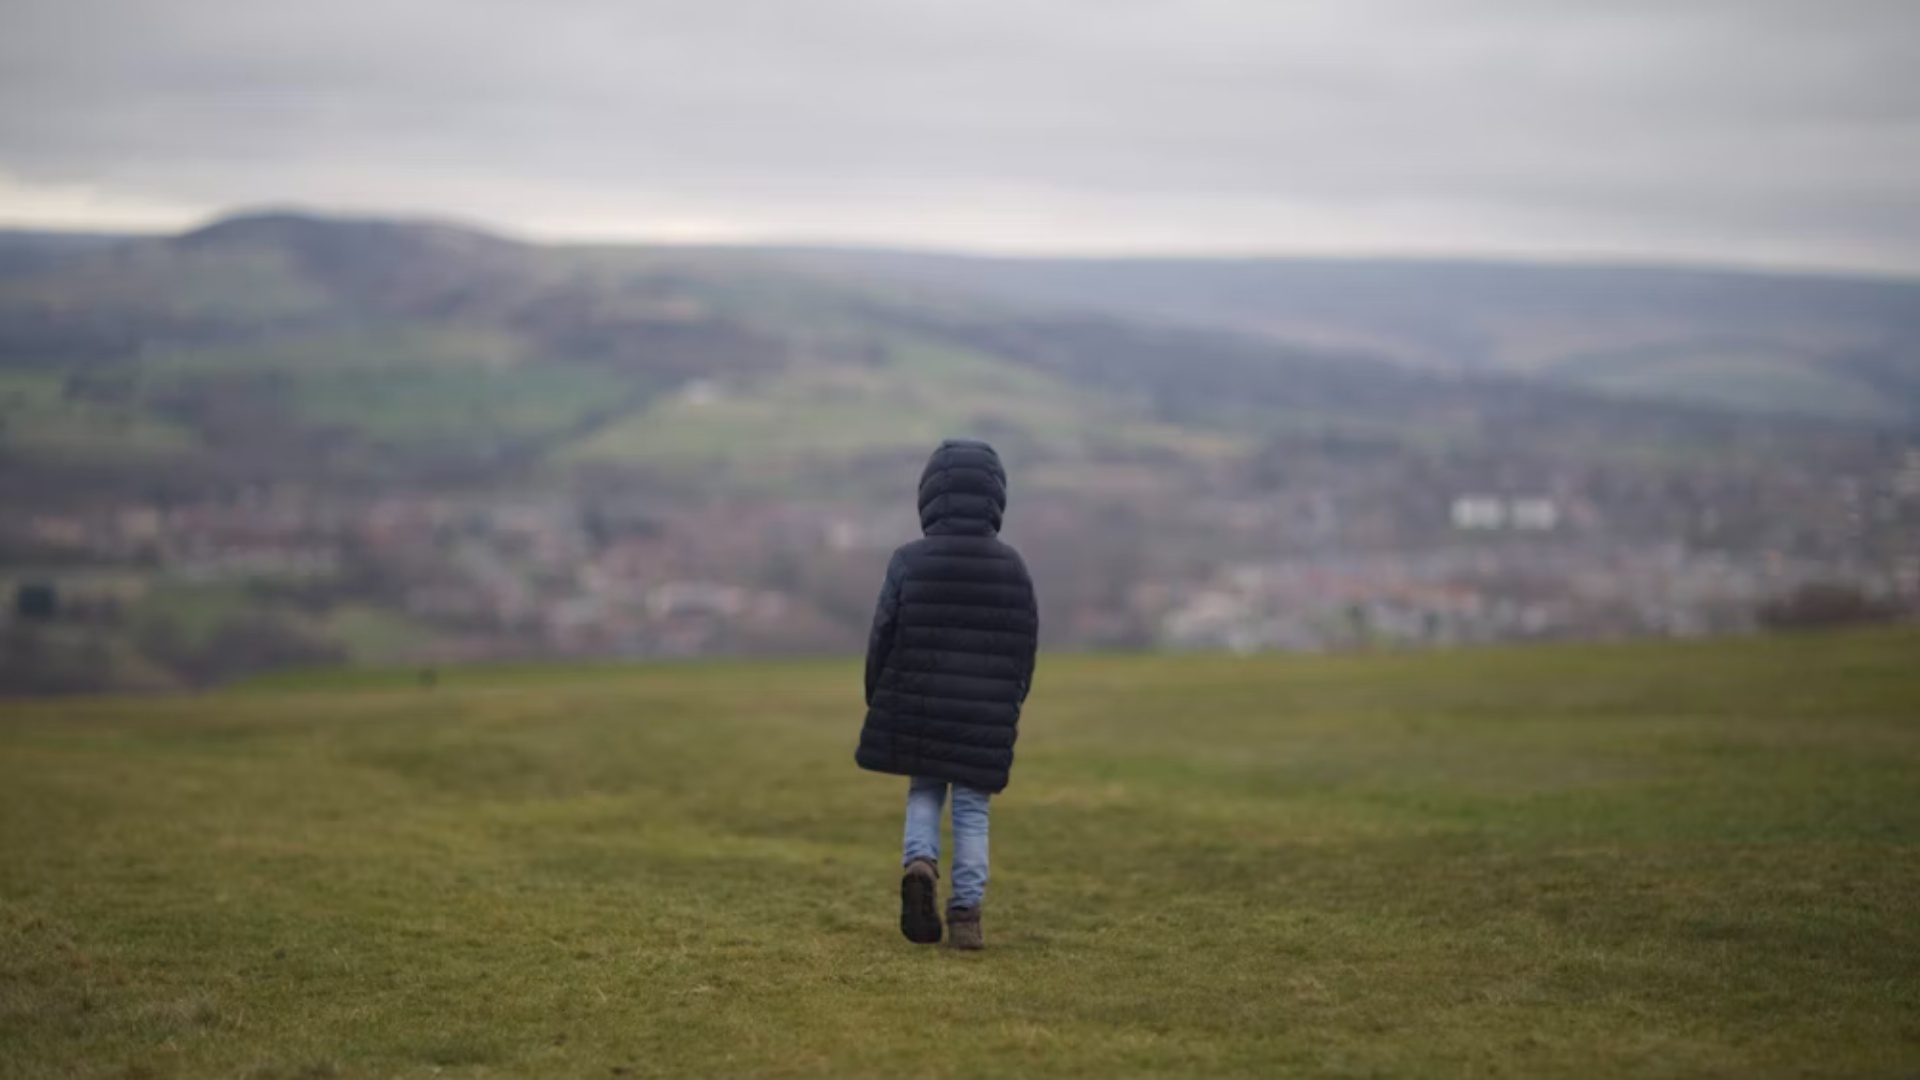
x=1702, y=128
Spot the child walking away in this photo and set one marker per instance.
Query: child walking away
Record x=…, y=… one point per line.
x=949, y=664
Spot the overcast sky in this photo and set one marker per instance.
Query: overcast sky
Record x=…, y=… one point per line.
x=1749, y=131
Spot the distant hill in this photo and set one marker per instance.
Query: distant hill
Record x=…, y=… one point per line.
x=285, y=439
x=287, y=346
x=24, y=252
x=1744, y=342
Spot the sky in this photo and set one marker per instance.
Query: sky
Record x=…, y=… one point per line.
x=1749, y=132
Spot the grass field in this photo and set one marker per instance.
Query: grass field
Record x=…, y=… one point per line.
x=1757, y=379
x=37, y=417
x=410, y=386
x=835, y=408
x=1639, y=860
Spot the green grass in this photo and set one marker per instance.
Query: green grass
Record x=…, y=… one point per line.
x=433, y=407
x=38, y=418
x=194, y=610
x=361, y=350
x=1647, y=860
x=371, y=634
x=773, y=430
x=407, y=386
x=1764, y=380
x=832, y=407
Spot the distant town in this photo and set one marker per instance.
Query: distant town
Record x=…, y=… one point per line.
x=289, y=441
x=211, y=588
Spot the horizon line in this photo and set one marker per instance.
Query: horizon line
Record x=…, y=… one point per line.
x=1568, y=259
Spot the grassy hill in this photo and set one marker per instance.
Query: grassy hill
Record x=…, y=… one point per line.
x=1745, y=343
x=289, y=347
x=1644, y=860
x=362, y=440
x=286, y=347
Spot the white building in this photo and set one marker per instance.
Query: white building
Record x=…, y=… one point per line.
x=1490, y=512
x=1536, y=515
x=1478, y=512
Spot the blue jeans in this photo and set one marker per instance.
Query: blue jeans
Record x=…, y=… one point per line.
x=924, y=797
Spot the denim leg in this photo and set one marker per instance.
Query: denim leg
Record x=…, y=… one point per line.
x=969, y=846
x=924, y=800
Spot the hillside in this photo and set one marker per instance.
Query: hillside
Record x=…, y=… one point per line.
x=285, y=439
x=282, y=346
x=1630, y=861
x=1772, y=344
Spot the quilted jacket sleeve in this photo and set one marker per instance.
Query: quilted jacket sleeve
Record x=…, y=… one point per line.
x=1033, y=645
x=886, y=615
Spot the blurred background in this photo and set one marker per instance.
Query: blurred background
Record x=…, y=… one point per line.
x=420, y=332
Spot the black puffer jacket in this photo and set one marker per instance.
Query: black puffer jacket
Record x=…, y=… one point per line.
x=950, y=659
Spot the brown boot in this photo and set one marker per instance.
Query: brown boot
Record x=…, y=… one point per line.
x=919, y=914
x=965, y=924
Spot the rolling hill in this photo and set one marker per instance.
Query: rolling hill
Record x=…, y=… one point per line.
x=287, y=439
x=1773, y=344
x=363, y=352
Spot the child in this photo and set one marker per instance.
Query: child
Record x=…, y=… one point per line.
x=949, y=664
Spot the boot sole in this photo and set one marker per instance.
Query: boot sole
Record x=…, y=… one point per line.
x=919, y=915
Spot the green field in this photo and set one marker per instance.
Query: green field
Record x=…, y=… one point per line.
x=37, y=416
x=403, y=387
x=1761, y=380
x=1638, y=860
x=833, y=408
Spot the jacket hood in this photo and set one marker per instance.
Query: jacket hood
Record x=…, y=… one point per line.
x=963, y=491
